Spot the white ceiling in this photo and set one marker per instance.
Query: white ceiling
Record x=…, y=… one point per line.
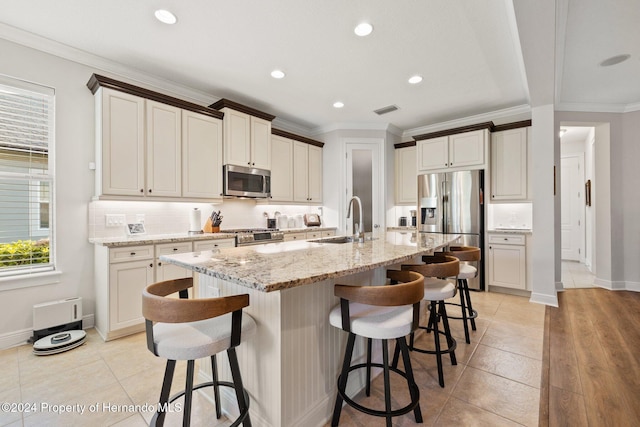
x=469, y=53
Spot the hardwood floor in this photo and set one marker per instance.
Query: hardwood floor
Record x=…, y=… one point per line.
x=591, y=368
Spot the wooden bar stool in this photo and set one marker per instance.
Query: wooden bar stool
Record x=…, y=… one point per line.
x=466, y=254
x=190, y=329
x=379, y=312
x=437, y=288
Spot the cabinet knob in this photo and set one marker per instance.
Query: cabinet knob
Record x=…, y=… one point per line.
x=150, y=190
x=175, y=249
x=142, y=190
x=151, y=265
x=132, y=253
x=506, y=240
x=160, y=264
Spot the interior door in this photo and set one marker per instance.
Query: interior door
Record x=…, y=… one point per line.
x=364, y=174
x=572, y=208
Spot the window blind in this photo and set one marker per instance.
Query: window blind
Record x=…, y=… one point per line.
x=26, y=178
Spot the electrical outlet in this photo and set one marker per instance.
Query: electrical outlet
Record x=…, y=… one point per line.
x=140, y=218
x=115, y=220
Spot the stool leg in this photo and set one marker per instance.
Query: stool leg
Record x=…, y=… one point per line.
x=401, y=343
x=164, y=392
x=469, y=306
x=216, y=388
x=463, y=307
x=433, y=320
x=342, y=379
x=396, y=355
x=387, y=381
x=237, y=384
x=368, y=388
x=447, y=331
x=188, y=394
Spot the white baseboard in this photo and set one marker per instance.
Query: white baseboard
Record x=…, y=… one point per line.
x=633, y=286
x=611, y=285
x=545, y=299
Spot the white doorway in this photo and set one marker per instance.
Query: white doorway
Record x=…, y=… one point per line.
x=364, y=178
x=572, y=207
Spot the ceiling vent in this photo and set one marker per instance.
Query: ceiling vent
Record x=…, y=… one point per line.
x=385, y=110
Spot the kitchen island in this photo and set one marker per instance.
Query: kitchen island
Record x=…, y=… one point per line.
x=291, y=365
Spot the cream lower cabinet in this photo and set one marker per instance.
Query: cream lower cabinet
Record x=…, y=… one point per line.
x=317, y=234
x=507, y=261
x=168, y=271
x=208, y=245
x=120, y=276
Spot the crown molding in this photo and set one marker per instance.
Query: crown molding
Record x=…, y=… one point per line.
x=132, y=75
x=494, y=116
x=632, y=107
x=594, y=107
x=387, y=127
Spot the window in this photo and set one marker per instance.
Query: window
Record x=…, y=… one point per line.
x=26, y=178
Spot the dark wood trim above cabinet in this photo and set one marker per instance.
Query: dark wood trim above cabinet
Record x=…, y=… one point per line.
x=225, y=103
x=509, y=126
x=470, y=128
x=404, y=144
x=96, y=81
x=290, y=135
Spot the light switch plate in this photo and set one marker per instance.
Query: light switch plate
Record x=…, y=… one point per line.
x=115, y=220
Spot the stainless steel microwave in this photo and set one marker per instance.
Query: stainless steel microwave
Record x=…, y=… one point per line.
x=242, y=181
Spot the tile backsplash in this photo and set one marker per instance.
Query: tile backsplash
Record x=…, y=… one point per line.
x=174, y=217
x=510, y=215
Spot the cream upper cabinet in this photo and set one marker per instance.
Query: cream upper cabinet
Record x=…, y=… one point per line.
x=154, y=147
x=406, y=176
x=453, y=151
x=282, y=169
x=307, y=173
x=120, y=127
x=315, y=174
x=247, y=140
x=201, y=156
x=509, y=165
x=163, y=169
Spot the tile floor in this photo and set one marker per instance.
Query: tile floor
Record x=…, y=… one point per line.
x=576, y=275
x=496, y=381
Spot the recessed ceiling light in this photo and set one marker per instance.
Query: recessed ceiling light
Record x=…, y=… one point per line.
x=415, y=79
x=615, y=60
x=363, y=29
x=338, y=104
x=165, y=16
x=277, y=74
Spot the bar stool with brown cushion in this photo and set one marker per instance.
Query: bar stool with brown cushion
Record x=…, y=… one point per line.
x=466, y=254
x=190, y=329
x=379, y=312
x=437, y=288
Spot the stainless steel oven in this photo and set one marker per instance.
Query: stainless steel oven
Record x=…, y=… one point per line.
x=259, y=236
x=240, y=181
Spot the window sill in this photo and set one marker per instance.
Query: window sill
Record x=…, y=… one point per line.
x=29, y=280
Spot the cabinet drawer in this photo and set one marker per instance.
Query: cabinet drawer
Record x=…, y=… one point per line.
x=328, y=233
x=207, y=245
x=507, y=239
x=131, y=253
x=172, y=248
x=294, y=236
x=313, y=235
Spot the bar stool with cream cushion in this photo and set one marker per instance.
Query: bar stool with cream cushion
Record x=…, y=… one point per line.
x=437, y=288
x=466, y=254
x=379, y=312
x=190, y=329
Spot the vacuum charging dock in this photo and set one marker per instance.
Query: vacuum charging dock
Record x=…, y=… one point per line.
x=57, y=326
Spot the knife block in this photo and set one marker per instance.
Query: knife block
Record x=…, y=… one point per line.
x=209, y=228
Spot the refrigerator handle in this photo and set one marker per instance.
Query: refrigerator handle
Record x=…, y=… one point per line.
x=445, y=225
x=481, y=197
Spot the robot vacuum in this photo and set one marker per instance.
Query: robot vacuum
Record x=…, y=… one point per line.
x=59, y=342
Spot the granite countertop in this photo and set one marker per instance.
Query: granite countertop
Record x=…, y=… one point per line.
x=151, y=239
x=278, y=266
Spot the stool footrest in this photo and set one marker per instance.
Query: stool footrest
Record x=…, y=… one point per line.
x=444, y=351
x=370, y=411
x=473, y=315
x=178, y=395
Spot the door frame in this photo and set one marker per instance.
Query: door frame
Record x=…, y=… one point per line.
x=378, y=180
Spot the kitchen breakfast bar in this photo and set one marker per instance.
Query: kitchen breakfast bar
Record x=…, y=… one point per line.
x=290, y=366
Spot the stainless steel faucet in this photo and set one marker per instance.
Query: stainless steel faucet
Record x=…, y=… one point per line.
x=360, y=233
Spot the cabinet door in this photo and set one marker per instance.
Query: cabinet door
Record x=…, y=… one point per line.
x=282, y=169
x=122, y=138
x=163, y=150
x=201, y=156
x=315, y=174
x=466, y=149
x=260, y=143
x=507, y=266
x=433, y=153
x=300, y=171
x=168, y=271
x=126, y=282
x=406, y=176
x=237, y=138
x=509, y=165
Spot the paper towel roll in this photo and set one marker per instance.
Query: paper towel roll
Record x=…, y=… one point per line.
x=195, y=222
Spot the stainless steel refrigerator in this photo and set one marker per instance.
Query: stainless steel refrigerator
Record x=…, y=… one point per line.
x=453, y=203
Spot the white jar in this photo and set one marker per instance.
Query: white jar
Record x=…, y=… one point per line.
x=283, y=221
